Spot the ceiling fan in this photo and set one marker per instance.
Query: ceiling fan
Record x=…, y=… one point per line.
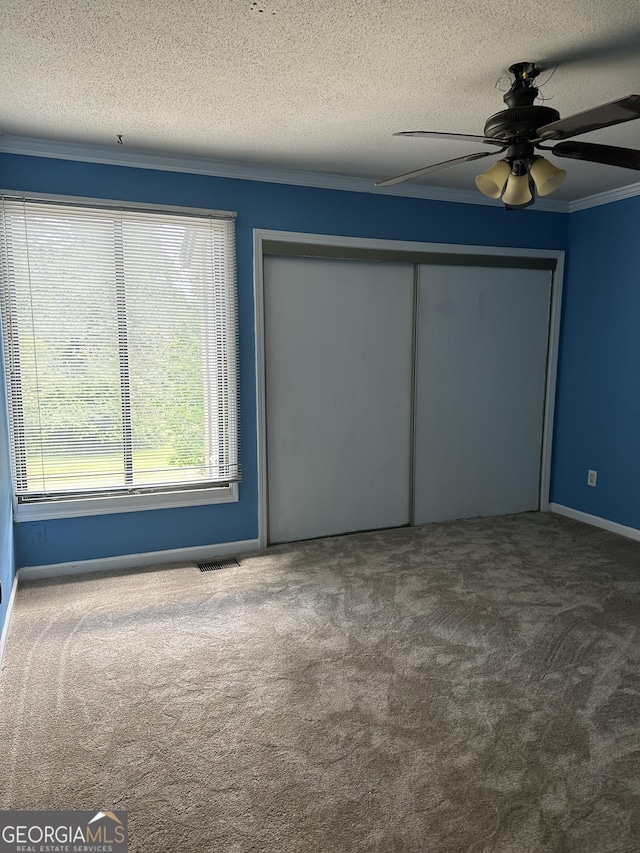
x=524, y=127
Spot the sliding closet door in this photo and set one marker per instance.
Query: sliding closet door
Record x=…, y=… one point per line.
x=338, y=360
x=480, y=379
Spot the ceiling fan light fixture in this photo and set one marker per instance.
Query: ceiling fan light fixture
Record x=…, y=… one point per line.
x=518, y=193
x=546, y=176
x=492, y=182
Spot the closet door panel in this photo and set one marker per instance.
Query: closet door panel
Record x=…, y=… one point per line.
x=338, y=359
x=480, y=391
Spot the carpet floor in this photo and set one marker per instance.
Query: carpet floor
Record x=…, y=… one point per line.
x=470, y=687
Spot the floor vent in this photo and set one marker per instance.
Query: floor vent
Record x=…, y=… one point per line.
x=215, y=565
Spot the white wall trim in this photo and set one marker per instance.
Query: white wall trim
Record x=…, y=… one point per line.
x=132, y=561
x=117, y=203
x=557, y=285
x=122, y=156
x=596, y=521
x=110, y=504
x=7, y=620
x=140, y=159
x=260, y=236
x=604, y=198
x=261, y=394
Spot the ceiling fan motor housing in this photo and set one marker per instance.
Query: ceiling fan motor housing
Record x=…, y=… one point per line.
x=519, y=122
x=523, y=118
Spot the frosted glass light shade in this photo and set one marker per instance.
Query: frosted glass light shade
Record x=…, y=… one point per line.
x=491, y=183
x=517, y=193
x=546, y=176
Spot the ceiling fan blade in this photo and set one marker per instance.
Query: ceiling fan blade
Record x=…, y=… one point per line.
x=435, y=167
x=618, y=46
x=610, y=155
x=463, y=137
x=605, y=115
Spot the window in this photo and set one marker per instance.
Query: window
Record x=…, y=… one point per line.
x=119, y=329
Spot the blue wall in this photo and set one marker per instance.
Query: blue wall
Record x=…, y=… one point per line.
x=598, y=399
x=7, y=565
x=259, y=205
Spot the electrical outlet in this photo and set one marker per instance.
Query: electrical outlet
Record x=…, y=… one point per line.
x=592, y=478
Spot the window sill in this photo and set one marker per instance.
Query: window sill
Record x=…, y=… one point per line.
x=124, y=503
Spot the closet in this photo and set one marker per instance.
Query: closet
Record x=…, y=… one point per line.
x=401, y=391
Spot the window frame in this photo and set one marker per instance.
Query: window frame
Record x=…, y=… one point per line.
x=141, y=499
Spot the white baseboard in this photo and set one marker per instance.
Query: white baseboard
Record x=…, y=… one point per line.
x=596, y=521
x=7, y=620
x=129, y=561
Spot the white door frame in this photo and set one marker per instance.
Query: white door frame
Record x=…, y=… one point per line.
x=260, y=236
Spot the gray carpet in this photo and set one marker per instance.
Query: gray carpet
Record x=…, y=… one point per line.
x=471, y=686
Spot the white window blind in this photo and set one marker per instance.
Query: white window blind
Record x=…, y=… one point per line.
x=120, y=342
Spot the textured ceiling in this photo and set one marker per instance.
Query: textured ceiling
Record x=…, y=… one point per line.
x=318, y=85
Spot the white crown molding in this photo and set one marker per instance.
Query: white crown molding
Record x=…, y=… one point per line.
x=604, y=198
x=119, y=156
x=116, y=156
